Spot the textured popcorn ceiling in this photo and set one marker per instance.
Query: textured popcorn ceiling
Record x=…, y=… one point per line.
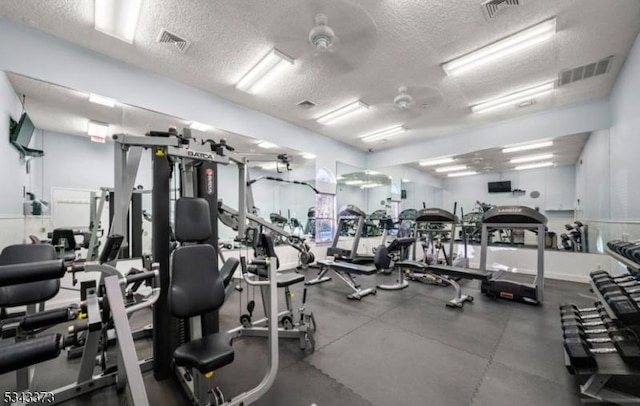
x=384, y=44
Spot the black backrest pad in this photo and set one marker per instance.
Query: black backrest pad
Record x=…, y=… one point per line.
x=33, y=292
x=382, y=260
x=65, y=234
x=269, y=249
x=196, y=286
x=193, y=223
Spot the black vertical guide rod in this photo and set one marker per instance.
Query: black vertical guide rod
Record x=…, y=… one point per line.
x=135, y=243
x=125, y=250
x=164, y=325
x=207, y=188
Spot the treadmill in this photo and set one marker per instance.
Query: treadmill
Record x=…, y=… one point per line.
x=513, y=217
x=346, y=214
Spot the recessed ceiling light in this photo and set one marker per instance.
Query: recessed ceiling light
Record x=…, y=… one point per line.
x=534, y=166
x=117, y=18
x=531, y=158
x=451, y=168
x=354, y=182
x=307, y=155
x=199, y=126
x=266, y=145
x=437, y=162
x=528, y=147
x=343, y=112
x=370, y=185
x=513, y=99
x=97, y=129
x=386, y=133
x=105, y=101
x=507, y=46
x=455, y=175
x=264, y=72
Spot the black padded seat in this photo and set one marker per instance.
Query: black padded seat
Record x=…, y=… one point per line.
x=32, y=292
x=228, y=269
x=259, y=267
x=205, y=354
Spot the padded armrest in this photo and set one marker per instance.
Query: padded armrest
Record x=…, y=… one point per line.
x=17, y=274
x=25, y=353
x=227, y=270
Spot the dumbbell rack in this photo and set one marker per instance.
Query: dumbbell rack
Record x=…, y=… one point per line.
x=608, y=365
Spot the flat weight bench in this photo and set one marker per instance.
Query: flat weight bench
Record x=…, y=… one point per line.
x=345, y=271
x=419, y=271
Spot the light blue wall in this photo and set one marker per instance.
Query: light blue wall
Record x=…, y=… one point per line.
x=12, y=168
x=608, y=178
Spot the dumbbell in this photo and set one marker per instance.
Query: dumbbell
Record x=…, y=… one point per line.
x=624, y=307
x=571, y=309
x=573, y=321
x=582, y=353
x=600, y=274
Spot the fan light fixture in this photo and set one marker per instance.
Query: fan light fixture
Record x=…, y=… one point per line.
x=386, y=133
x=104, y=101
x=264, y=72
x=507, y=46
x=528, y=147
x=437, y=162
x=534, y=166
x=343, y=112
x=531, y=158
x=117, y=18
x=513, y=99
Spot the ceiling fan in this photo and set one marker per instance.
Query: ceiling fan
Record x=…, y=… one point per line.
x=338, y=35
x=411, y=101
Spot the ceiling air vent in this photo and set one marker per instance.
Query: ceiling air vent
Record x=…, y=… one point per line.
x=167, y=37
x=306, y=104
x=585, y=71
x=492, y=7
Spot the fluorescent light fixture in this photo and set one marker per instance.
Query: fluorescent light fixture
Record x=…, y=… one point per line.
x=455, y=175
x=264, y=72
x=513, y=99
x=307, y=155
x=451, y=168
x=340, y=177
x=531, y=158
x=97, y=129
x=343, y=112
x=117, y=18
x=534, y=166
x=99, y=140
x=105, y=101
x=370, y=185
x=354, y=182
x=386, y=133
x=266, y=145
x=437, y=162
x=199, y=126
x=406, y=180
x=528, y=147
x=368, y=172
x=507, y=46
